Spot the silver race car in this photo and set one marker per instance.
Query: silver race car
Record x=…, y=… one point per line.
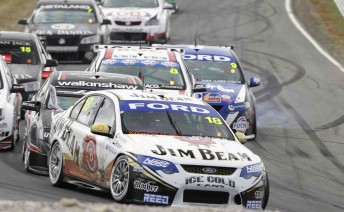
x=138, y=21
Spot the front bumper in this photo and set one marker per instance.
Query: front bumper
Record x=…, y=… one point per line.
x=192, y=189
x=5, y=143
x=71, y=50
x=137, y=35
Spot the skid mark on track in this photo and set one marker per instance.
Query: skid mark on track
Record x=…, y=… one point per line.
x=332, y=124
x=314, y=138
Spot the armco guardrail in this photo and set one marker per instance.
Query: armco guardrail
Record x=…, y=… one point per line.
x=340, y=5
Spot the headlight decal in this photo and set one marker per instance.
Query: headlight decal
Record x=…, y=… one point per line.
x=146, y=173
x=157, y=164
x=90, y=39
x=250, y=171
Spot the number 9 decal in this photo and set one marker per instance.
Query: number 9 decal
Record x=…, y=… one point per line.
x=174, y=71
x=234, y=65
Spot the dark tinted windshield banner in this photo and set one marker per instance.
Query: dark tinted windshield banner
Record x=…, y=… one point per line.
x=65, y=6
x=161, y=106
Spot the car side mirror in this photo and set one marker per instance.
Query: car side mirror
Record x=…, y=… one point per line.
x=106, y=22
x=168, y=6
x=101, y=129
x=199, y=88
x=31, y=105
x=51, y=63
x=254, y=81
x=241, y=137
x=17, y=88
x=23, y=22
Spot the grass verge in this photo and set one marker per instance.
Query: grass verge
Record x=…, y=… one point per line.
x=13, y=10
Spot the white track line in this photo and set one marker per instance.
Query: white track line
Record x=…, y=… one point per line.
x=292, y=17
x=340, y=5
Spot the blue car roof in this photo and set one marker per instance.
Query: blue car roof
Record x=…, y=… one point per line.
x=207, y=50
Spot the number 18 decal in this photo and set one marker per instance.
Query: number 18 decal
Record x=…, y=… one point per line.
x=213, y=120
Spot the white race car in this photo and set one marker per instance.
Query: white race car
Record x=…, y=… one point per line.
x=138, y=21
x=155, y=149
x=161, y=69
x=10, y=102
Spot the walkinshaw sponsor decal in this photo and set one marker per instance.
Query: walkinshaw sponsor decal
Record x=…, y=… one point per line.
x=204, y=154
x=210, y=181
x=97, y=84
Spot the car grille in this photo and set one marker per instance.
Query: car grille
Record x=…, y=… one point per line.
x=69, y=41
x=127, y=36
x=208, y=197
x=199, y=170
x=131, y=23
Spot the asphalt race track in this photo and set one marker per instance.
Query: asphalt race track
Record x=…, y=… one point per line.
x=299, y=107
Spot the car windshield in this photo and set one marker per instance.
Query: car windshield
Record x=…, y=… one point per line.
x=18, y=52
x=131, y=3
x=64, y=102
x=62, y=99
x=168, y=118
x=155, y=74
x=64, y=14
x=215, y=71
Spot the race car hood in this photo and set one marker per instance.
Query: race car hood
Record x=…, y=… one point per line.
x=82, y=30
x=222, y=93
x=194, y=150
x=163, y=91
x=130, y=14
x=26, y=73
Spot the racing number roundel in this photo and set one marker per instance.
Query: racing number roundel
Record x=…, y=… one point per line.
x=89, y=159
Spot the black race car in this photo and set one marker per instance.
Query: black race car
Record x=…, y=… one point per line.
x=59, y=92
x=69, y=29
x=26, y=58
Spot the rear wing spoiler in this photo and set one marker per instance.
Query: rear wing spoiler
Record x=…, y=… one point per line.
x=97, y=48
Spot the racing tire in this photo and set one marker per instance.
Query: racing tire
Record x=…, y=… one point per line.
x=13, y=143
x=14, y=137
x=56, y=166
x=119, y=181
x=267, y=193
x=254, y=126
x=26, y=158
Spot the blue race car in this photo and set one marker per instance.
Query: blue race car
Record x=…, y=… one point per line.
x=219, y=69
